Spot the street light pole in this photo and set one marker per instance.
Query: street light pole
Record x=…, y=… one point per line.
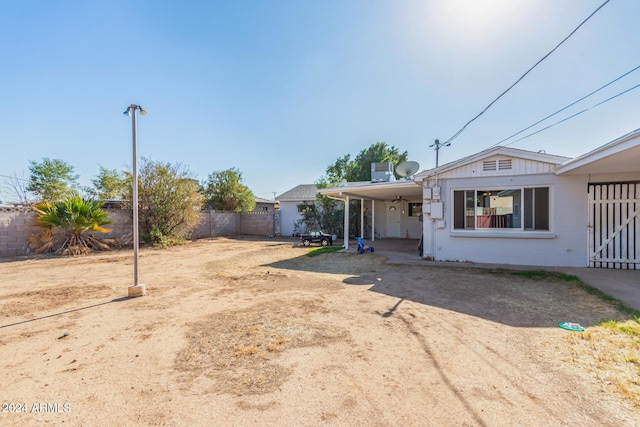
x=137, y=289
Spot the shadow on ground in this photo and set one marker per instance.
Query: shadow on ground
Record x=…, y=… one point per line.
x=495, y=295
x=121, y=299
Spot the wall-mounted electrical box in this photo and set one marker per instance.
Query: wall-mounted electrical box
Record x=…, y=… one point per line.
x=426, y=208
x=441, y=223
x=436, y=193
x=437, y=210
x=427, y=193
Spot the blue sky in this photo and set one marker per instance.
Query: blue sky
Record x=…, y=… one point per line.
x=280, y=89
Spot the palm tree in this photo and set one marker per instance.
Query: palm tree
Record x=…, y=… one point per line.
x=77, y=218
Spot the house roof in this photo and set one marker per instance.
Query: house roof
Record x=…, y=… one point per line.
x=620, y=155
x=299, y=193
x=495, y=151
x=265, y=201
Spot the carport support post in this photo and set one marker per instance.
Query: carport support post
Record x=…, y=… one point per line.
x=373, y=220
x=362, y=218
x=346, y=222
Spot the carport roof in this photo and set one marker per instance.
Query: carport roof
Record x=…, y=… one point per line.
x=620, y=155
x=379, y=191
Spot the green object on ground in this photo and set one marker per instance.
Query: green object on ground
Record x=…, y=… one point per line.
x=571, y=326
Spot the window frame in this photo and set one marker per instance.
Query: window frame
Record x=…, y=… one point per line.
x=305, y=207
x=411, y=209
x=520, y=232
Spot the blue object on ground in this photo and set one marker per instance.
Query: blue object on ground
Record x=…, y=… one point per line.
x=362, y=248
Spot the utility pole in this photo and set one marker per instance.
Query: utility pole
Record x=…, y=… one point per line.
x=437, y=144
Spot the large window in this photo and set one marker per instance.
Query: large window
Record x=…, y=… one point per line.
x=512, y=208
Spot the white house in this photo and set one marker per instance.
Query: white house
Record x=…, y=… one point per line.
x=264, y=205
x=292, y=203
x=511, y=206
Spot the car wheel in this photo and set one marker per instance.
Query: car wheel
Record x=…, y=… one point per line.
x=306, y=242
x=325, y=242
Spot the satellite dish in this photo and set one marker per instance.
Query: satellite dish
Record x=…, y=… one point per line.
x=407, y=168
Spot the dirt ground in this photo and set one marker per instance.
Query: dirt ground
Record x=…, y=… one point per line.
x=245, y=332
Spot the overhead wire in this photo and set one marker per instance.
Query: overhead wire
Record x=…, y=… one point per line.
x=564, y=108
x=14, y=177
x=524, y=75
x=572, y=116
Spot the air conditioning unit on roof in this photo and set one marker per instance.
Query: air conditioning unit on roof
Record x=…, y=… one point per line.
x=382, y=172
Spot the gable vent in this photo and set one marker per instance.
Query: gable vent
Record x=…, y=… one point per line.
x=488, y=165
x=504, y=164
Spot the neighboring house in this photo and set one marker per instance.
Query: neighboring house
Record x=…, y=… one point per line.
x=264, y=205
x=292, y=203
x=511, y=206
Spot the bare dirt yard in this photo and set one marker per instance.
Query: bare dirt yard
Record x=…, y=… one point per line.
x=254, y=332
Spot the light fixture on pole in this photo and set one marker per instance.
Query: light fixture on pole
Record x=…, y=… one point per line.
x=137, y=290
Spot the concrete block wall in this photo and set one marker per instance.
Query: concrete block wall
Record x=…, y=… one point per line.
x=16, y=224
x=257, y=223
x=215, y=223
x=121, y=226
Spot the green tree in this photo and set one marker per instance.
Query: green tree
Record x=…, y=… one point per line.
x=327, y=215
x=110, y=184
x=169, y=202
x=224, y=191
x=76, y=219
x=342, y=169
x=51, y=180
x=359, y=169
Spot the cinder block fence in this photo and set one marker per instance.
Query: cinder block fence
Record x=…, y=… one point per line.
x=17, y=224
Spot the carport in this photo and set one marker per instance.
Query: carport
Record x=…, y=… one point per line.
x=395, y=203
x=613, y=209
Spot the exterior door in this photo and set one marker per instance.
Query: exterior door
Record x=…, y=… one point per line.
x=614, y=225
x=393, y=219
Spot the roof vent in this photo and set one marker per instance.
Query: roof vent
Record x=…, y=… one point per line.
x=504, y=164
x=488, y=165
x=496, y=165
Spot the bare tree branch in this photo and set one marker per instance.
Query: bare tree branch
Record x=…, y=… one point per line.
x=14, y=188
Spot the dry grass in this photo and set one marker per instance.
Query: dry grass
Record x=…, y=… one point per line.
x=611, y=352
x=30, y=303
x=240, y=350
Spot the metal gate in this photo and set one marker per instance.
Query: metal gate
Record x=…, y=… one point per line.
x=614, y=225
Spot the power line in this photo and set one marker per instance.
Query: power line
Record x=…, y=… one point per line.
x=564, y=108
x=14, y=177
x=573, y=115
x=524, y=75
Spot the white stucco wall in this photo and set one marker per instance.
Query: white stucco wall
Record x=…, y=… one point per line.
x=288, y=217
x=564, y=245
x=409, y=226
x=380, y=221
